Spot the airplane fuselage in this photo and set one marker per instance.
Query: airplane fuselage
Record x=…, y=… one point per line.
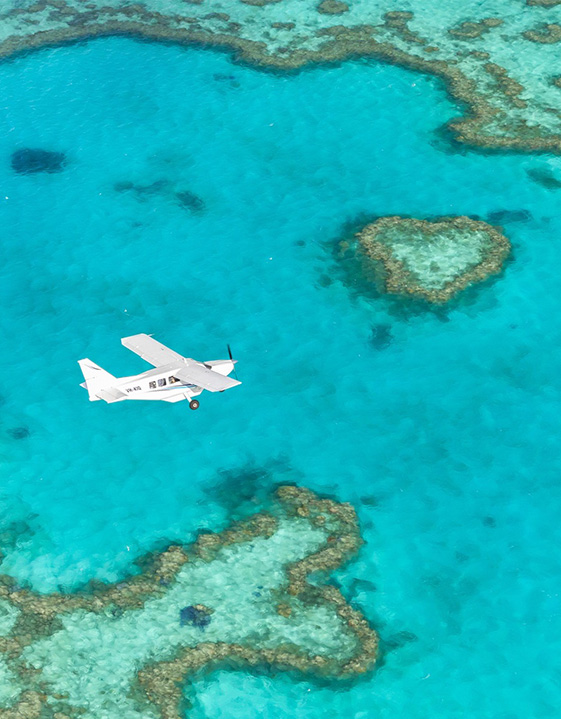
x=158, y=383
x=173, y=378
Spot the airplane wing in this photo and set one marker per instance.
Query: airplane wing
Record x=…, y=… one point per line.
x=151, y=350
x=205, y=378
x=186, y=370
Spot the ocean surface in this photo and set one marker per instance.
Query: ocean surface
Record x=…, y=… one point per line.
x=202, y=201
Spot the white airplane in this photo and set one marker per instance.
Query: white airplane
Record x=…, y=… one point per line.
x=174, y=378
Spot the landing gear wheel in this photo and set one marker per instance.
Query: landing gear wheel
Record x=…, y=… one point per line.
x=194, y=404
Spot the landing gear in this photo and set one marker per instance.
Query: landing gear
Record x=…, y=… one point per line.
x=194, y=404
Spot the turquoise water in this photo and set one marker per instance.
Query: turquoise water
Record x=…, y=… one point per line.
x=444, y=435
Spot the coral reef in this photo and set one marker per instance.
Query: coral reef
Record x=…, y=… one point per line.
x=499, y=67
x=237, y=599
x=332, y=7
x=470, y=30
x=545, y=33
x=431, y=260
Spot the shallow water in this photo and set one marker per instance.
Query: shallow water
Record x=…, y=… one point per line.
x=444, y=436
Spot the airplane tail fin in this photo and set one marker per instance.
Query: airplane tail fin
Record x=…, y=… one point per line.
x=97, y=379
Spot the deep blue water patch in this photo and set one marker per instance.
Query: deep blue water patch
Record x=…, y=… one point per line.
x=456, y=419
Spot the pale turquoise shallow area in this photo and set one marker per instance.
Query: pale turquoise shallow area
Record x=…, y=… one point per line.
x=446, y=440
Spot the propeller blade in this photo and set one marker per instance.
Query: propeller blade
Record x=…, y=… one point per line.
x=232, y=358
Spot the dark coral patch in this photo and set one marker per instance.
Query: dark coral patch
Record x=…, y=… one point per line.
x=19, y=432
x=124, y=186
x=381, y=336
x=544, y=177
x=184, y=198
x=499, y=216
x=189, y=201
x=195, y=616
x=28, y=161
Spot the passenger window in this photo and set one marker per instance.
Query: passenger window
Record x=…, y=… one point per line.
x=161, y=382
x=152, y=385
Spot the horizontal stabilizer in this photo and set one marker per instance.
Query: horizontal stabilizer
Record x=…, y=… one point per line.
x=97, y=379
x=111, y=395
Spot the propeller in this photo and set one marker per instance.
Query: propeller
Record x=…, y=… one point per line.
x=232, y=359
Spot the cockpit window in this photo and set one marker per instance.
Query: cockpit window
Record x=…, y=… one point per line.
x=162, y=382
x=173, y=380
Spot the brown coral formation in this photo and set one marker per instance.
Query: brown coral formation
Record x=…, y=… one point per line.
x=545, y=34
x=472, y=29
x=509, y=87
x=40, y=610
x=332, y=7
x=160, y=683
x=285, y=610
x=432, y=260
x=259, y=3
x=397, y=21
x=492, y=119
